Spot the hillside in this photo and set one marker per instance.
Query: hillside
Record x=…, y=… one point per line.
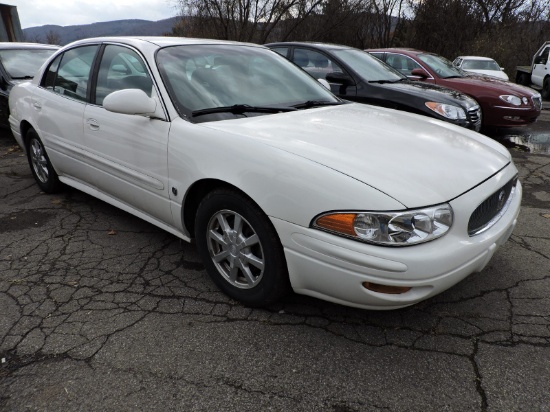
x=67, y=34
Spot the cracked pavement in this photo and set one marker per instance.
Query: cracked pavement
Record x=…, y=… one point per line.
x=100, y=311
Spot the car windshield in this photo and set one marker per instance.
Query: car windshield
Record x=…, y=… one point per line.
x=367, y=66
x=24, y=63
x=236, y=79
x=480, y=65
x=441, y=66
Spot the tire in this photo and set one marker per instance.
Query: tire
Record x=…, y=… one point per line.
x=240, y=249
x=545, y=92
x=42, y=170
x=524, y=79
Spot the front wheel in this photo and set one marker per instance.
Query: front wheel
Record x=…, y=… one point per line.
x=545, y=92
x=40, y=164
x=240, y=249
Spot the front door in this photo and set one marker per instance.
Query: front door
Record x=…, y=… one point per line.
x=128, y=152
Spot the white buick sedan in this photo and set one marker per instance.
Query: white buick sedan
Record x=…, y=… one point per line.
x=281, y=184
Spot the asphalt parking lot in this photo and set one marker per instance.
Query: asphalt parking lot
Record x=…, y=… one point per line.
x=100, y=311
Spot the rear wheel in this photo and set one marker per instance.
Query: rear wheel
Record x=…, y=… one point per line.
x=524, y=79
x=240, y=249
x=40, y=164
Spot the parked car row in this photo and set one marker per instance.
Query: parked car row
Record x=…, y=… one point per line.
x=282, y=184
x=503, y=104
x=357, y=76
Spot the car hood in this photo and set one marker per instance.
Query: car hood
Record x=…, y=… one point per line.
x=473, y=84
x=430, y=92
x=494, y=73
x=416, y=160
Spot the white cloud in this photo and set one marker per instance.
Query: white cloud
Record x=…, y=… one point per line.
x=67, y=13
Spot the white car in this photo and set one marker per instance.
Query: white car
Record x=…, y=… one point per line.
x=480, y=65
x=280, y=183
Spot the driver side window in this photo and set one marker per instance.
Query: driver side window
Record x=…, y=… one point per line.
x=402, y=63
x=543, y=57
x=316, y=64
x=121, y=68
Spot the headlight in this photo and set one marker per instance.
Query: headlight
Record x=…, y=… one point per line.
x=401, y=228
x=447, y=110
x=511, y=99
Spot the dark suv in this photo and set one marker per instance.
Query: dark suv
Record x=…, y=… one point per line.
x=357, y=76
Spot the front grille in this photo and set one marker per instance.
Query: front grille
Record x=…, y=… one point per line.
x=474, y=116
x=492, y=208
x=537, y=101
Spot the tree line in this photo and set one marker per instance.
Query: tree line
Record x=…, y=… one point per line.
x=510, y=31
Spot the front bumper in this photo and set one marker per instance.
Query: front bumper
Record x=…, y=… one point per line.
x=503, y=116
x=333, y=268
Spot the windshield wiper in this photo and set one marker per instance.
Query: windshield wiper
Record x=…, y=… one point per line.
x=316, y=103
x=242, y=108
x=387, y=81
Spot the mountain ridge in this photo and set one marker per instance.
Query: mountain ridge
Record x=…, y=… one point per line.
x=128, y=27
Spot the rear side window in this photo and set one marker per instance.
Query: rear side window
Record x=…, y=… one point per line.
x=69, y=73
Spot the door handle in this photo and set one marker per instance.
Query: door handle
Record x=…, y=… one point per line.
x=93, y=124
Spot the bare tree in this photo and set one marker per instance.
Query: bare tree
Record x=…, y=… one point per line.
x=245, y=20
x=53, y=37
x=387, y=17
x=507, y=30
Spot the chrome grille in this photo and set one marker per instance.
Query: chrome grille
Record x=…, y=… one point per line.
x=537, y=101
x=491, y=209
x=474, y=116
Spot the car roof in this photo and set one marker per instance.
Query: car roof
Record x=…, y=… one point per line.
x=20, y=46
x=399, y=49
x=474, y=58
x=323, y=46
x=158, y=41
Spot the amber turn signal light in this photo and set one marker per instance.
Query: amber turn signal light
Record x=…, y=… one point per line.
x=340, y=223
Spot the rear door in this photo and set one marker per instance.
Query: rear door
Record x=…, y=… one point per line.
x=59, y=105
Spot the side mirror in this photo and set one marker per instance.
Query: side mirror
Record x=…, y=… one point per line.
x=420, y=73
x=339, y=78
x=130, y=101
x=324, y=83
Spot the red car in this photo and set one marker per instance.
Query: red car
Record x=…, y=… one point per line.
x=503, y=104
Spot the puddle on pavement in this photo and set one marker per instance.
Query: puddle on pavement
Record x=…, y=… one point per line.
x=536, y=144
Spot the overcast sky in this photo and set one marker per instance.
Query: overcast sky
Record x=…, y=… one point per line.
x=70, y=12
